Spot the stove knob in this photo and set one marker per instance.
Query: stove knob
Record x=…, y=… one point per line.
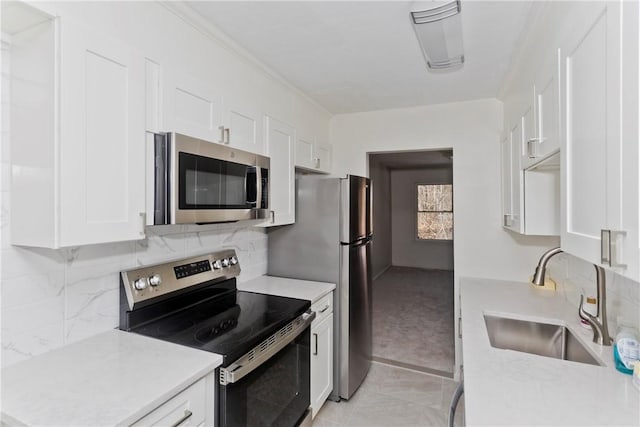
x=233, y=260
x=225, y=262
x=216, y=265
x=140, y=284
x=155, y=280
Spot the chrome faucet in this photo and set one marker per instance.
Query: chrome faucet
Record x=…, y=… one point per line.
x=598, y=322
x=541, y=268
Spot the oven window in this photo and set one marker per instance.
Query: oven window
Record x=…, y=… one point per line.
x=275, y=394
x=207, y=183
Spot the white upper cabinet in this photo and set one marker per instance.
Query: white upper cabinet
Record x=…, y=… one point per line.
x=280, y=145
x=195, y=107
x=591, y=62
x=510, y=149
x=600, y=192
x=90, y=188
x=541, y=122
x=242, y=125
x=102, y=139
x=313, y=155
x=547, y=101
x=191, y=106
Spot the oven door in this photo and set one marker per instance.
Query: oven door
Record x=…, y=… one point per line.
x=209, y=182
x=276, y=393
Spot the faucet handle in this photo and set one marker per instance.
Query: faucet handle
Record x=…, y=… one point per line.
x=583, y=314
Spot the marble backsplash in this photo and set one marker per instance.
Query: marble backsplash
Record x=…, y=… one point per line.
x=575, y=276
x=50, y=298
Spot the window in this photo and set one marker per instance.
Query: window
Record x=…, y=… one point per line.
x=435, y=212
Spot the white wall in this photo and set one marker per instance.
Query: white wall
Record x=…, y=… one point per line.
x=382, y=229
x=53, y=297
x=482, y=248
x=407, y=250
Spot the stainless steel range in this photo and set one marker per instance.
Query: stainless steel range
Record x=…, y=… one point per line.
x=264, y=340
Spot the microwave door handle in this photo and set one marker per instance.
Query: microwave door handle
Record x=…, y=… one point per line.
x=258, y=187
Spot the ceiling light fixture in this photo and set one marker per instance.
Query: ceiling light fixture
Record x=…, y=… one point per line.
x=439, y=30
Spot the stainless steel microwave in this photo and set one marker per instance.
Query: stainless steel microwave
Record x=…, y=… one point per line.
x=199, y=182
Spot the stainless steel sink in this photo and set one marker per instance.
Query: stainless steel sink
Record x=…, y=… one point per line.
x=543, y=339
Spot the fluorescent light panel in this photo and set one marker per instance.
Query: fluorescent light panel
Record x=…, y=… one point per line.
x=439, y=32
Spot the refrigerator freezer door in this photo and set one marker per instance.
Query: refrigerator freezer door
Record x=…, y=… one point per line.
x=355, y=209
x=355, y=312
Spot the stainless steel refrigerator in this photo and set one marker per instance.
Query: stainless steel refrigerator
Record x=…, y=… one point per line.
x=331, y=242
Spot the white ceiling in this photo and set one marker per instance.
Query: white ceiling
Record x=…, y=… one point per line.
x=355, y=56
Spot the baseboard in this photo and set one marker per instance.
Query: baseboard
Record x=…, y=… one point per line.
x=384, y=270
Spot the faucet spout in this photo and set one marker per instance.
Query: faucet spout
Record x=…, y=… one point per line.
x=541, y=269
x=598, y=322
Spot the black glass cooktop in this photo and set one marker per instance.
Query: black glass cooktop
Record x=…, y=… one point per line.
x=229, y=324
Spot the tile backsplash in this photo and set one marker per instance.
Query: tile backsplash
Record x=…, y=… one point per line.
x=575, y=276
x=53, y=297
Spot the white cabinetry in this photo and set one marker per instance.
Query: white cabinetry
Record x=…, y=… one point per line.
x=313, y=155
x=600, y=165
x=512, y=180
x=321, y=352
x=80, y=179
x=187, y=408
x=195, y=107
x=280, y=146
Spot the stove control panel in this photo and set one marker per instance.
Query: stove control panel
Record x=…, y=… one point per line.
x=145, y=283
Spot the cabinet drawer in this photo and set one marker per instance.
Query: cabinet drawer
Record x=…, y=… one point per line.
x=177, y=410
x=323, y=307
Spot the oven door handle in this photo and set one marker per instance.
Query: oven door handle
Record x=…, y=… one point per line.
x=263, y=351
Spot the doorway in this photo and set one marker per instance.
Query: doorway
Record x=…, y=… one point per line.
x=412, y=260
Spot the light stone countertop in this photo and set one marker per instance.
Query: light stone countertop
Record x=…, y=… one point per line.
x=113, y=378
x=284, y=287
x=509, y=388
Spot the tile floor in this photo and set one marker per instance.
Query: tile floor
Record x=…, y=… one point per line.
x=413, y=319
x=393, y=396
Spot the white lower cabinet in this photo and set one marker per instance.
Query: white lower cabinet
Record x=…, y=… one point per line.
x=321, y=353
x=190, y=407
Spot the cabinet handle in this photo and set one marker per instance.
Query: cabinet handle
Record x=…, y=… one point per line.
x=187, y=415
x=143, y=223
x=532, y=148
x=460, y=327
x=609, y=247
x=325, y=309
x=317, y=160
x=315, y=351
x=273, y=217
x=507, y=220
x=225, y=134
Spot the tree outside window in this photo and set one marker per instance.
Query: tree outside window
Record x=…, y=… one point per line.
x=435, y=212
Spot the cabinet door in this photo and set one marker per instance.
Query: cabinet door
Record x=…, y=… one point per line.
x=280, y=143
x=529, y=148
x=321, y=363
x=102, y=138
x=191, y=106
x=547, y=91
x=591, y=160
x=505, y=168
x=323, y=157
x=305, y=153
x=516, y=137
x=242, y=120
